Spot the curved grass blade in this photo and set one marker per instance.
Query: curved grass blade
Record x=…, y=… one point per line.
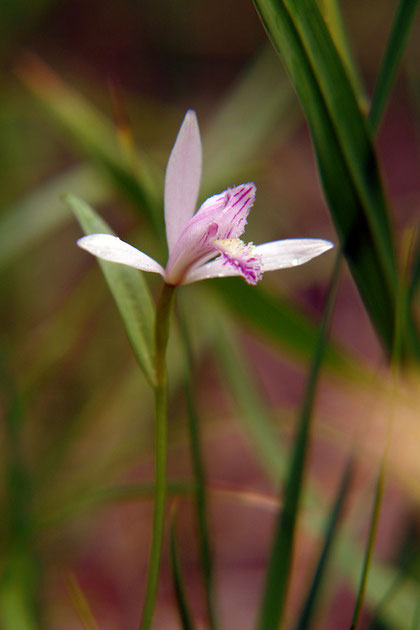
x=81, y=605
x=279, y=566
x=41, y=212
x=129, y=290
x=259, y=101
x=96, y=136
x=200, y=493
x=379, y=490
x=345, y=154
x=178, y=579
x=330, y=533
x=395, y=48
x=333, y=17
x=20, y=572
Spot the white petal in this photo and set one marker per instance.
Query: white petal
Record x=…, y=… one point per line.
x=275, y=255
x=214, y=269
x=182, y=179
x=112, y=249
x=290, y=252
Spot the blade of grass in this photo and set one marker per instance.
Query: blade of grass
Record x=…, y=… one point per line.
x=416, y=616
x=81, y=605
x=20, y=578
x=379, y=490
x=178, y=579
x=91, y=499
x=398, y=38
x=334, y=19
x=415, y=276
x=41, y=212
x=279, y=565
x=128, y=288
x=96, y=135
x=259, y=102
x=201, y=504
x=311, y=601
x=259, y=427
x=255, y=417
x=405, y=571
x=345, y=154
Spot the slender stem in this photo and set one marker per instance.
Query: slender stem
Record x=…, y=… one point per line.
x=163, y=315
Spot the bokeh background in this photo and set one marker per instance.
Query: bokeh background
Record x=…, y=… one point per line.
x=77, y=428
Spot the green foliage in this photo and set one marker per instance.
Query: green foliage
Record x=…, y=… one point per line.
x=129, y=290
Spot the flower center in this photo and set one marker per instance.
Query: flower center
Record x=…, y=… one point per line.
x=242, y=256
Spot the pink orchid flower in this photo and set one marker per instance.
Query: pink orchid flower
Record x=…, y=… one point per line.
x=205, y=244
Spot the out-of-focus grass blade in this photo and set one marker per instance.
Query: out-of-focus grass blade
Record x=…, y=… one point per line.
x=405, y=571
x=282, y=323
x=344, y=151
x=90, y=499
x=415, y=276
x=95, y=135
x=416, y=616
x=279, y=565
x=41, y=212
x=19, y=575
x=177, y=576
x=199, y=481
x=360, y=598
x=259, y=101
x=128, y=288
x=81, y=605
x=253, y=414
x=308, y=609
x=396, y=44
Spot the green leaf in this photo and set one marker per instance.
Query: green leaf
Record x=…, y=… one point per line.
x=128, y=288
x=178, y=579
x=395, y=48
x=308, y=609
x=344, y=150
x=332, y=15
x=280, y=561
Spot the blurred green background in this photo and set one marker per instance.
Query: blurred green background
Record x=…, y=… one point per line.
x=92, y=95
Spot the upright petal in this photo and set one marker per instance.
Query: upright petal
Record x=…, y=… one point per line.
x=182, y=179
x=112, y=249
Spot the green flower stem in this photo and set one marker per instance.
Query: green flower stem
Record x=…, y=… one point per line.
x=163, y=316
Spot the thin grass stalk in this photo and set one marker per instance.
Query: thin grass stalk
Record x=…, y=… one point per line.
x=395, y=48
x=81, y=605
x=279, y=567
x=178, y=580
x=163, y=315
x=331, y=530
x=201, y=503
